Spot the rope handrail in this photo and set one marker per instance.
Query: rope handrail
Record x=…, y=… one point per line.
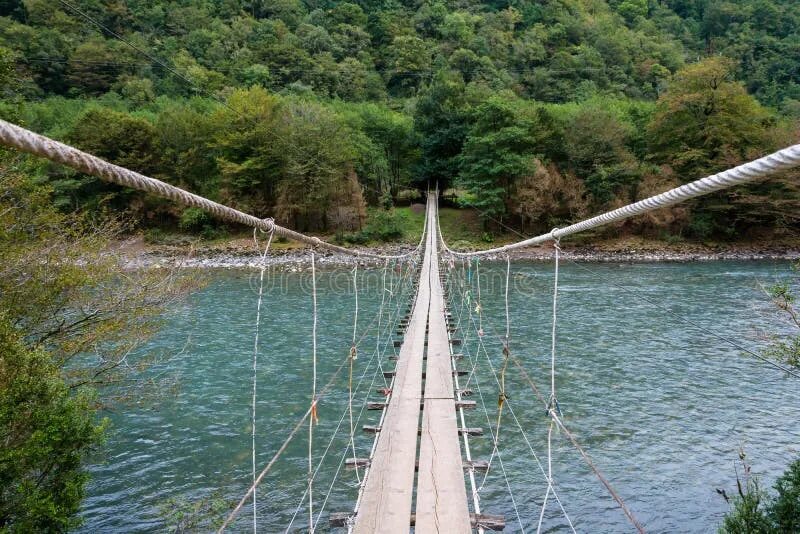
x=39, y=145
x=749, y=172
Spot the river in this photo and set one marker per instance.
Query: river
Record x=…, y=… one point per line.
x=662, y=407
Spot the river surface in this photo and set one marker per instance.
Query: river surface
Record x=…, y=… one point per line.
x=662, y=407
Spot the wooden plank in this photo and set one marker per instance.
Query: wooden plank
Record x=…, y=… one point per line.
x=486, y=521
x=441, y=491
x=385, y=503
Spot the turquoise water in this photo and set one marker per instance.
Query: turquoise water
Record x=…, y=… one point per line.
x=661, y=407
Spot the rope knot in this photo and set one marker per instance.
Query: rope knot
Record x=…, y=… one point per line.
x=556, y=239
x=269, y=222
x=501, y=398
x=316, y=242
x=353, y=353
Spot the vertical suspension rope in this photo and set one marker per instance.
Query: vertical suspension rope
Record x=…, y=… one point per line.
x=314, y=417
x=353, y=357
x=501, y=396
x=552, y=403
x=478, y=307
x=255, y=361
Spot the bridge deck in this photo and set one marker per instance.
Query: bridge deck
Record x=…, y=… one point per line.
x=441, y=494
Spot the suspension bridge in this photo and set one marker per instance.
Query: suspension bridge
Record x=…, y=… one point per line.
x=420, y=472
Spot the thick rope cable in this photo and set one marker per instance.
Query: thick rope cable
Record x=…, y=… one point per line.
x=39, y=145
x=746, y=173
x=263, y=268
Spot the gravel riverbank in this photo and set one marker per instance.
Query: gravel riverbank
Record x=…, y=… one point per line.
x=243, y=255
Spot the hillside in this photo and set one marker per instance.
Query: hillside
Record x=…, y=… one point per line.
x=323, y=113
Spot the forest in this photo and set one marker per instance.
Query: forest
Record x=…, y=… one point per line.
x=320, y=113
x=331, y=116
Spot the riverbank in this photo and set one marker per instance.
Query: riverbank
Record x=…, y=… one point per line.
x=242, y=253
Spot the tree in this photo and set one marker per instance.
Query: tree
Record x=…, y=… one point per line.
x=786, y=349
x=116, y=137
x=314, y=168
x=596, y=145
x=93, y=67
x=498, y=150
x=246, y=146
x=46, y=430
x=69, y=326
x=440, y=118
x=60, y=286
x=705, y=121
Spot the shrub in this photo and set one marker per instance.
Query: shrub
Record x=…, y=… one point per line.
x=194, y=220
x=46, y=431
x=755, y=512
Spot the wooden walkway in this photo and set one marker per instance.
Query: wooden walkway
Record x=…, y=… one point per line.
x=441, y=496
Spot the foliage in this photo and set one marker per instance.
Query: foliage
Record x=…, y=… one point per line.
x=206, y=513
x=61, y=286
x=754, y=511
x=46, y=430
x=786, y=348
x=706, y=120
x=382, y=225
x=284, y=107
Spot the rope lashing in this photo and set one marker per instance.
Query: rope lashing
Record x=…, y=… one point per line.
x=263, y=267
x=39, y=145
x=749, y=172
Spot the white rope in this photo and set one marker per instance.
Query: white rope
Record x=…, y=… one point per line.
x=375, y=356
x=552, y=404
x=407, y=282
x=314, y=415
x=749, y=172
x=39, y=145
x=496, y=451
x=524, y=435
x=507, y=402
x=380, y=355
x=255, y=363
x=501, y=397
x=353, y=357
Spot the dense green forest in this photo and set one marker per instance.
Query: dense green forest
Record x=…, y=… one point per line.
x=321, y=113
